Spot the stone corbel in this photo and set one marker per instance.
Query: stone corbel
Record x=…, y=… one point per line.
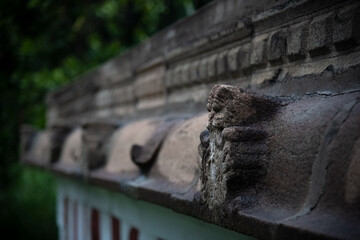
x=233, y=150
x=27, y=136
x=57, y=134
x=144, y=156
x=95, y=141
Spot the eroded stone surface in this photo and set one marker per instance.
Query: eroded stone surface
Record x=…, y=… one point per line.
x=95, y=137
x=57, y=136
x=232, y=153
x=177, y=159
x=145, y=155
x=71, y=153
x=136, y=133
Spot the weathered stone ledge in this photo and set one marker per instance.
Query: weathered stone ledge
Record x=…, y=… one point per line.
x=297, y=38
x=268, y=167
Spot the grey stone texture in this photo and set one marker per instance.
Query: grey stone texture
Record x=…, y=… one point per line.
x=258, y=51
x=296, y=41
x=211, y=65
x=233, y=62
x=203, y=69
x=320, y=35
x=233, y=157
x=221, y=63
x=244, y=57
x=277, y=47
x=347, y=27
x=194, y=71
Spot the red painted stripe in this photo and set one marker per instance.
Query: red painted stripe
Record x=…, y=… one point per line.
x=95, y=231
x=134, y=234
x=115, y=226
x=75, y=221
x=66, y=210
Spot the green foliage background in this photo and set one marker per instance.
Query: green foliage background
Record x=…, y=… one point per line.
x=45, y=44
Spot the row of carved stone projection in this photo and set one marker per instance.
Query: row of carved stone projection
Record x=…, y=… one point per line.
x=303, y=40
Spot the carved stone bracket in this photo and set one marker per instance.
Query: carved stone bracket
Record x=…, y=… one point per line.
x=145, y=156
x=96, y=138
x=27, y=135
x=58, y=133
x=233, y=150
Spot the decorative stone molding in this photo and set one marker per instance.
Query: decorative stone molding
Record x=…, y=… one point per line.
x=233, y=50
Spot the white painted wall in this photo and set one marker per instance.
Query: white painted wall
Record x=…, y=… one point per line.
x=152, y=221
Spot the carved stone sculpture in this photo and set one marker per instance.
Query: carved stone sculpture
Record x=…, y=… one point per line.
x=233, y=150
x=145, y=156
x=96, y=137
x=58, y=133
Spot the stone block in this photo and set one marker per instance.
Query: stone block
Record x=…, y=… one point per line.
x=194, y=71
x=320, y=35
x=221, y=63
x=244, y=57
x=168, y=78
x=233, y=59
x=202, y=69
x=95, y=141
x=177, y=77
x=211, y=66
x=185, y=75
x=347, y=28
x=296, y=41
x=258, y=51
x=277, y=47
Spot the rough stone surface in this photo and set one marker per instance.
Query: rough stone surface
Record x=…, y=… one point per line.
x=185, y=75
x=296, y=41
x=57, y=136
x=347, y=27
x=320, y=35
x=232, y=154
x=277, y=47
x=203, y=69
x=96, y=137
x=137, y=133
x=194, y=71
x=177, y=160
x=244, y=57
x=211, y=66
x=258, y=52
x=221, y=63
x=145, y=155
x=233, y=59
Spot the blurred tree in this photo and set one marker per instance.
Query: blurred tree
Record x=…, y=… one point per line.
x=46, y=44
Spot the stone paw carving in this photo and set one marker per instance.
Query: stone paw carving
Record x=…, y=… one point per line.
x=233, y=150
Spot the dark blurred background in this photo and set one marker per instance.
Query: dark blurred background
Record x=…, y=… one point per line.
x=45, y=44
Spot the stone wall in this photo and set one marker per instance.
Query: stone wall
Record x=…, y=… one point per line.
x=272, y=47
